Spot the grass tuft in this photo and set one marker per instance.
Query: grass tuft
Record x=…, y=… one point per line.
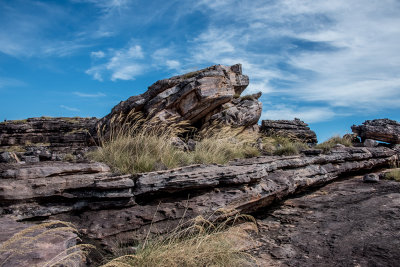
x=282, y=146
x=393, y=175
x=133, y=145
x=333, y=141
x=25, y=243
x=198, y=242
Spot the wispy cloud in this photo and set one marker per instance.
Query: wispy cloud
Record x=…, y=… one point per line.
x=95, y=95
x=69, y=108
x=308, y=114
x=9, y=82
x=123, y=64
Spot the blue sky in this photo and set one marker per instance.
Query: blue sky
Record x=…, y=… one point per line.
x=331, y=63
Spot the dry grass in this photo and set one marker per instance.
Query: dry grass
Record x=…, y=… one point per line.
x=132, y=145
x=393, y=175
x=24, y=243
x=331, y=142
x=278, y=145
x=198, y=242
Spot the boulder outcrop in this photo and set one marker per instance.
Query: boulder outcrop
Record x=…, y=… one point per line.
x=198, y=97
x=105, y=205
x=384, y=130
x=293, y=129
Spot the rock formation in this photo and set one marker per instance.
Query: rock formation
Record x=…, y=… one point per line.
x=384, y=130
x=105, y=205
x=294, y=129
x=46, y=138
x=198, y=97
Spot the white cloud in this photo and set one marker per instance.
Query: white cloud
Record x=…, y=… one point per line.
x=69, y=108
x=98, y=94
x=97, y=54
x=307, y=114
x=123, y=64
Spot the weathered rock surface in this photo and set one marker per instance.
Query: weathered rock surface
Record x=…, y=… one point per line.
x=294, y=129
x=243, y=111
x=36, y=247
x=384, y=130
x=57, y=132
x=105, y=205
x=195, y=97
x=41, y=139
x=346, y=223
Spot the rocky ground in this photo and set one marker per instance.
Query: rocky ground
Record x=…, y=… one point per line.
x=345, y=223
x=44, y=175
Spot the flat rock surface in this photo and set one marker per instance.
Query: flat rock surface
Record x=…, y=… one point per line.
x=346, y=223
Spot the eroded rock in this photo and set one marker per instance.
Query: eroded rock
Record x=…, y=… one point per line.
x=198, y=97
x=293, y=129
x=105, y=206
x=384, y=130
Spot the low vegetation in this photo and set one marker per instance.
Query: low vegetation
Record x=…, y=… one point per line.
x=132, y=146
x=27, y=241
x=199, y=242
x=393, y=174
x=333, y=141
x=282, y=146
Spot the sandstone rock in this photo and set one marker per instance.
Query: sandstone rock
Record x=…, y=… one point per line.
x=371, y=178
x=106, y=206
x=36, y=248
x=384, y=130
x=8, y=157
x=56, y=134
x=195, y=97
x=243, y=111
x=370, y=143
x=294, y=129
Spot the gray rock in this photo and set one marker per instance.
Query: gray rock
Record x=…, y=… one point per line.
x=293, y=129
x=191, y=144
x=370, y=143
x=384, y=130
x=31, y=159
x=179, y=144
x=8, y=157
x=371, y=178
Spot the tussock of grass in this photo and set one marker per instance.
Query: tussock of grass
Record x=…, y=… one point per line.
x=331, y=142
x=279, y=145
x=134, y=146
x=393, y=175
x=198, y=242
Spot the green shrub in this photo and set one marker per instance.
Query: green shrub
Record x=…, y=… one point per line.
x=333, y=141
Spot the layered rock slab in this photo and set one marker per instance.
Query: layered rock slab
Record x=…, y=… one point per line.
x=104, y=205
x=384, y=130
x=293, y=129
x=193, y=97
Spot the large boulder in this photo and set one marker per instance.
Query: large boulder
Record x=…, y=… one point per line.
x=195, y=97
x=293, y=129
x=384, y=130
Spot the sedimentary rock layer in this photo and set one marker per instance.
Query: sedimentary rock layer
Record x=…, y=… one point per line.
x=104, y=205
x=294, y=129
x=384, y=130
x=193, y=97
x=54, y=132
